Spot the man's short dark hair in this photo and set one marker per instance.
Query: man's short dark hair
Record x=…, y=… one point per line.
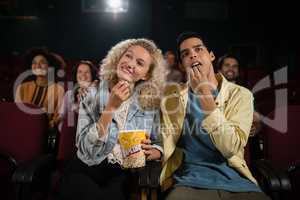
x=183, y=36
x=221, y=60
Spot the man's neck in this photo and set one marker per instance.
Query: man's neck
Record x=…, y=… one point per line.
x=212, y=80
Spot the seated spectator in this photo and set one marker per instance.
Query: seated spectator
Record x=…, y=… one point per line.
x=228, y=66
x=206, y=124
x=175, y=73
x=84, y=74
x=122, y=101
x=39, y=88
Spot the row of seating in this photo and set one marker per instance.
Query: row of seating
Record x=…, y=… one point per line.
x=29, y=171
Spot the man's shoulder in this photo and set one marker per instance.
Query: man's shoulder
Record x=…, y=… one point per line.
x=236, y=89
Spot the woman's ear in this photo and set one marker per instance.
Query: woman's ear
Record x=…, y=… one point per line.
x=146, y=77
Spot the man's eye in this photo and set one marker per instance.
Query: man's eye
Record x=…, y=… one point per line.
x=197, y=49
x=128, y=55
x=184, y=54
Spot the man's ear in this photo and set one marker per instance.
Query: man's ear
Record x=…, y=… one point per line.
x=212, y=56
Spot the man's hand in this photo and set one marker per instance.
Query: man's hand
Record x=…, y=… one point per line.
x=198, y=81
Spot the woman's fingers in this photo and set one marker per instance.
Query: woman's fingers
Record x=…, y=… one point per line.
x=152, y=154
x=146, y=141
x=147, y=146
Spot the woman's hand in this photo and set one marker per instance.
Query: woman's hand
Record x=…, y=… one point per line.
x=82, y=91
x=119, y=93
x=150, y=152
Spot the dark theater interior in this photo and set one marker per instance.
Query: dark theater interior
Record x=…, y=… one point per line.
x=38, y=137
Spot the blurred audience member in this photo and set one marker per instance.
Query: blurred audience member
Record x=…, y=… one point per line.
x=175, y=73
x=228, y=65
x=84, y=74
x=40, y=88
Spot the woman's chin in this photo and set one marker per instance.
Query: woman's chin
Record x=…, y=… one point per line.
x=125, y=78
x=84, y=84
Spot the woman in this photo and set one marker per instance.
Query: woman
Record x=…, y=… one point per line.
x=39, y=90
x=84, y=74
x=124, y=100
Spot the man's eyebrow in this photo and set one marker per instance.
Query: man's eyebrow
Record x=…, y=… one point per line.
x=183, y=50
x=197, y=45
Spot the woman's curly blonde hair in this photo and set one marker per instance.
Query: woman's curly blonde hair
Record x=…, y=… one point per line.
x=158, y=68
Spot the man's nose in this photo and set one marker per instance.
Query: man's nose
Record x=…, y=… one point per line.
x=193, y=54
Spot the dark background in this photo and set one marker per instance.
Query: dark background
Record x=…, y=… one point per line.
x=262, y=34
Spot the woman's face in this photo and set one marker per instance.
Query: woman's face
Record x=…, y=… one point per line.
x=134, y=64
x=39, y=65
x=84, y=75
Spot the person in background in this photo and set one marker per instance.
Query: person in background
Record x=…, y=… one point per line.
x=127, y=98
x=206, y=124
x=175, y=73
x=229, y=66
x=84, y=76
x=38, y=89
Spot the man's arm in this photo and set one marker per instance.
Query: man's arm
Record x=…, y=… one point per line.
x=229, y=126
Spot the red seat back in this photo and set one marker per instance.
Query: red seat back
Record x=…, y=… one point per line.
x=23, y=134
x=23, y=137
x=281, y=148
x=66, y=147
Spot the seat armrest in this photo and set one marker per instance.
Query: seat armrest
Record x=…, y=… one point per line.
x=148, y=176
x=11, y=160
x=36, y=169
x=270, y=178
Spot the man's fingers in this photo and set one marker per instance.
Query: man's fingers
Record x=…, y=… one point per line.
x=197, y=72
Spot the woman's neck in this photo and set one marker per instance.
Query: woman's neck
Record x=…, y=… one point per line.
x=41, y=80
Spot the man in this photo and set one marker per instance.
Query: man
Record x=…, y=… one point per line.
x=206, y=124
x=228, y=65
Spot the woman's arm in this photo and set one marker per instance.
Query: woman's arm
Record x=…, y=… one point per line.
x=153, y=148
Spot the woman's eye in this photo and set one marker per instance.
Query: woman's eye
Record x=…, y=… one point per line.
x=128, y=55
x=140, y=63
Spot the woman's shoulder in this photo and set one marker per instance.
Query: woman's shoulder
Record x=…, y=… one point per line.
x=149, y=97
x=27, y=83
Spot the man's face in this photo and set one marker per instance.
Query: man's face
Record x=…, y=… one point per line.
x=230, y=69
x=193, y=53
